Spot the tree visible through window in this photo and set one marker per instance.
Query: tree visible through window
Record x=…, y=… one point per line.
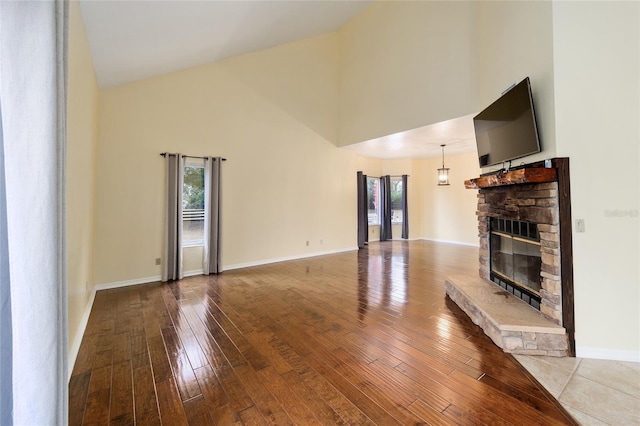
x=373, y=200
x=193, y=204
x=396, y=200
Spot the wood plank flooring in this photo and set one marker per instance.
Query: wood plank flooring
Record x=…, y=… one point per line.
x=357, y=338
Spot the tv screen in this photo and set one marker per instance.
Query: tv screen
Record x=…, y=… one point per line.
x=506, y=129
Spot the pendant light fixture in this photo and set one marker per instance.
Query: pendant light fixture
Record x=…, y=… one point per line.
x=443, y=173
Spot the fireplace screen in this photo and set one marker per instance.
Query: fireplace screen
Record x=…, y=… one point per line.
x=516, y=258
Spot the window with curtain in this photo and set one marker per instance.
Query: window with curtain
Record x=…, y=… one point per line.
x=385, y=208
x=193, y=203
x=373, y=200
x=397, y=213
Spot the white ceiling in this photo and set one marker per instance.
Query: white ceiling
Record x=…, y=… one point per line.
x=457, y=134
x=133, y=40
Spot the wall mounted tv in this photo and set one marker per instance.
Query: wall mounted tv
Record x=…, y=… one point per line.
x=507, y=129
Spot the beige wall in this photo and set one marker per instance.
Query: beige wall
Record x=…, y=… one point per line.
x=82, y=124
x=597, y=64
x=404, y=65
x=449, y=212
x=284, y=182
x=515, y=40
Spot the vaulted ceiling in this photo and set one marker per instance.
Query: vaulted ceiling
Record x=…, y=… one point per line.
x=135, y=40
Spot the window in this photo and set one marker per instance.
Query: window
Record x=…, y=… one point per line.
x=396, y=200
x=373, y=200
x=193, y=203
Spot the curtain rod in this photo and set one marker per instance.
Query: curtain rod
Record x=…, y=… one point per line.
x=164, y=154
x=386, y=175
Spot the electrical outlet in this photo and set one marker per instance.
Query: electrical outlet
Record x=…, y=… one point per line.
x=580, y=225
x=158, y=261
x=321, y=242
x=307, y=243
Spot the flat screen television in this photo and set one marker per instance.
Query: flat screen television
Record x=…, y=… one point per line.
x=507, y=129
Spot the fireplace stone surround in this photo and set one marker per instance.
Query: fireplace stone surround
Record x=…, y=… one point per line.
x=534, y=194
x=535, y=203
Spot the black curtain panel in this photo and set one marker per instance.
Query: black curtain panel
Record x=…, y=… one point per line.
x=172, y=264
x=385, y=220
x=212, y=186
x=363, y=222
x=405, y=211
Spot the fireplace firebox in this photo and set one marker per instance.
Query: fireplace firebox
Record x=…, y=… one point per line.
x=516, y=258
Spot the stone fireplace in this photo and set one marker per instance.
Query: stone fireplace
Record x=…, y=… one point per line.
x=520, y=245
x=523, y=296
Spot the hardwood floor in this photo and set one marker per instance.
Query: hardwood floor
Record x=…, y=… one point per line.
x=358, y=338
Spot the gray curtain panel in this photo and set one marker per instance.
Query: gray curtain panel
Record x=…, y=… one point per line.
x=363, y=208
x=212, y=197
x=33, y=332
x=405, y=210
x=385, y=208
x=172, y=265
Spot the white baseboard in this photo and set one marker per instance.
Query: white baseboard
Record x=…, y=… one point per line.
x=284, y=259
x=77, y=340
x=610, y=354
x=459, y=243
x=126, y=283
x=146, y=280
x=395, y=239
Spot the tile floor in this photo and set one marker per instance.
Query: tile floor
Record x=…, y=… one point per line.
x=594, y=392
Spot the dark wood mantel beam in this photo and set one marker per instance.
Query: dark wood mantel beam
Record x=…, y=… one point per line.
x=513, y=177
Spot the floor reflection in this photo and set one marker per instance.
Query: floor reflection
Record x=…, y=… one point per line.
x=363, y=283
x=382, y=277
